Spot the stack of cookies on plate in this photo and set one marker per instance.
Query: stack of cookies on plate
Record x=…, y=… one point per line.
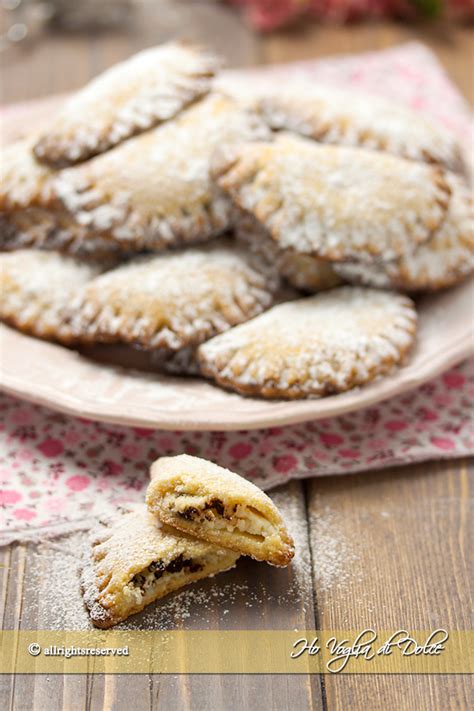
x=198, y=520
x=190, y=216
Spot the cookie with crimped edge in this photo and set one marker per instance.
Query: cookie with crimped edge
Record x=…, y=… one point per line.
x=346, y=117
x=40, y=228
x=135, y=560
x=154, y=191
x=303, y=271
x=36, y=289
x=335, y=202
x=29, y=214
x=25, y=182
x=445, y=260
x=312, y=347
x=205, y=500
x=174, y=300
x=131, y=97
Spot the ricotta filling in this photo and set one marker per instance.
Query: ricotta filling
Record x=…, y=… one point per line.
x=146, y=580
x=245, y=521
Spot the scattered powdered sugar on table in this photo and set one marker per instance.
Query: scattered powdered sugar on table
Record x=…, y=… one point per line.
x=334, y=553
x=230, y=600
x=53, y=571
x=294, y=514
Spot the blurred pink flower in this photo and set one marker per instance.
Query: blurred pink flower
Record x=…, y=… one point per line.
x=267, y=15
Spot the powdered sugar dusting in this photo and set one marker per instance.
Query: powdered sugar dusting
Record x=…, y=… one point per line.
x=176, y=299
x=335, y=558
x=444, y=260
x=37, y=286
x=40, y=228
x=152, y=86
x=345, y=117
x=309, y=347
x=155, y=190
x=25, y=182
x=335, y=202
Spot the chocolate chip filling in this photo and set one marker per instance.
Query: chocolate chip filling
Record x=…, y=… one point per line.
x=191, y=512
x=158, y=568
x=181, y=562
x=217, y=505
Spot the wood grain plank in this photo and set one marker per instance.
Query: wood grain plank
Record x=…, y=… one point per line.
x=58, y=63
x=390, y=551
x=12, y=612
x=212, y=24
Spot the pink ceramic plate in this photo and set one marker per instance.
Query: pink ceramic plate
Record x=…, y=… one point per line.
x=65, y=380
x=62, y=379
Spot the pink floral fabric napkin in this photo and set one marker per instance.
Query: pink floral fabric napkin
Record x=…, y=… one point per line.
x=58, y=472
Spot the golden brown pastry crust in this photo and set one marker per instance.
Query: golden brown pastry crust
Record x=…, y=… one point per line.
x=205, y=500
x=154, y=191
x=131, y=97
x=334, y=202
x=25, y=182
x=134, y=560
x=36, y=288
x=346, y=117
x=174, y=300
x=445, y=260
x=39, y=228
x=321, y=345
x=30, y=216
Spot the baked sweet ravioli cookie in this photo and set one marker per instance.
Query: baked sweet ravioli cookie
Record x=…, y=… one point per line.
x=29, y=214
x=174, y=300
x=346, y=117
x=131, y=97
x=335, y=202
x=154, y=191
x=446, y=259
x=135, y=560
x=39, y=228
x=25, y=182
x=37, y=287
x=313, y=347
x=205, y=500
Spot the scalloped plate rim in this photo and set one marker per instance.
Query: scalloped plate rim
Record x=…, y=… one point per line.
x=289, y=412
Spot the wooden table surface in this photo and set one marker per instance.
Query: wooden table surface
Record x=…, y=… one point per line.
x=397, y=539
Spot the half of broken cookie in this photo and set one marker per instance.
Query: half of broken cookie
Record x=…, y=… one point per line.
x=205, y=500
x=135, y=560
